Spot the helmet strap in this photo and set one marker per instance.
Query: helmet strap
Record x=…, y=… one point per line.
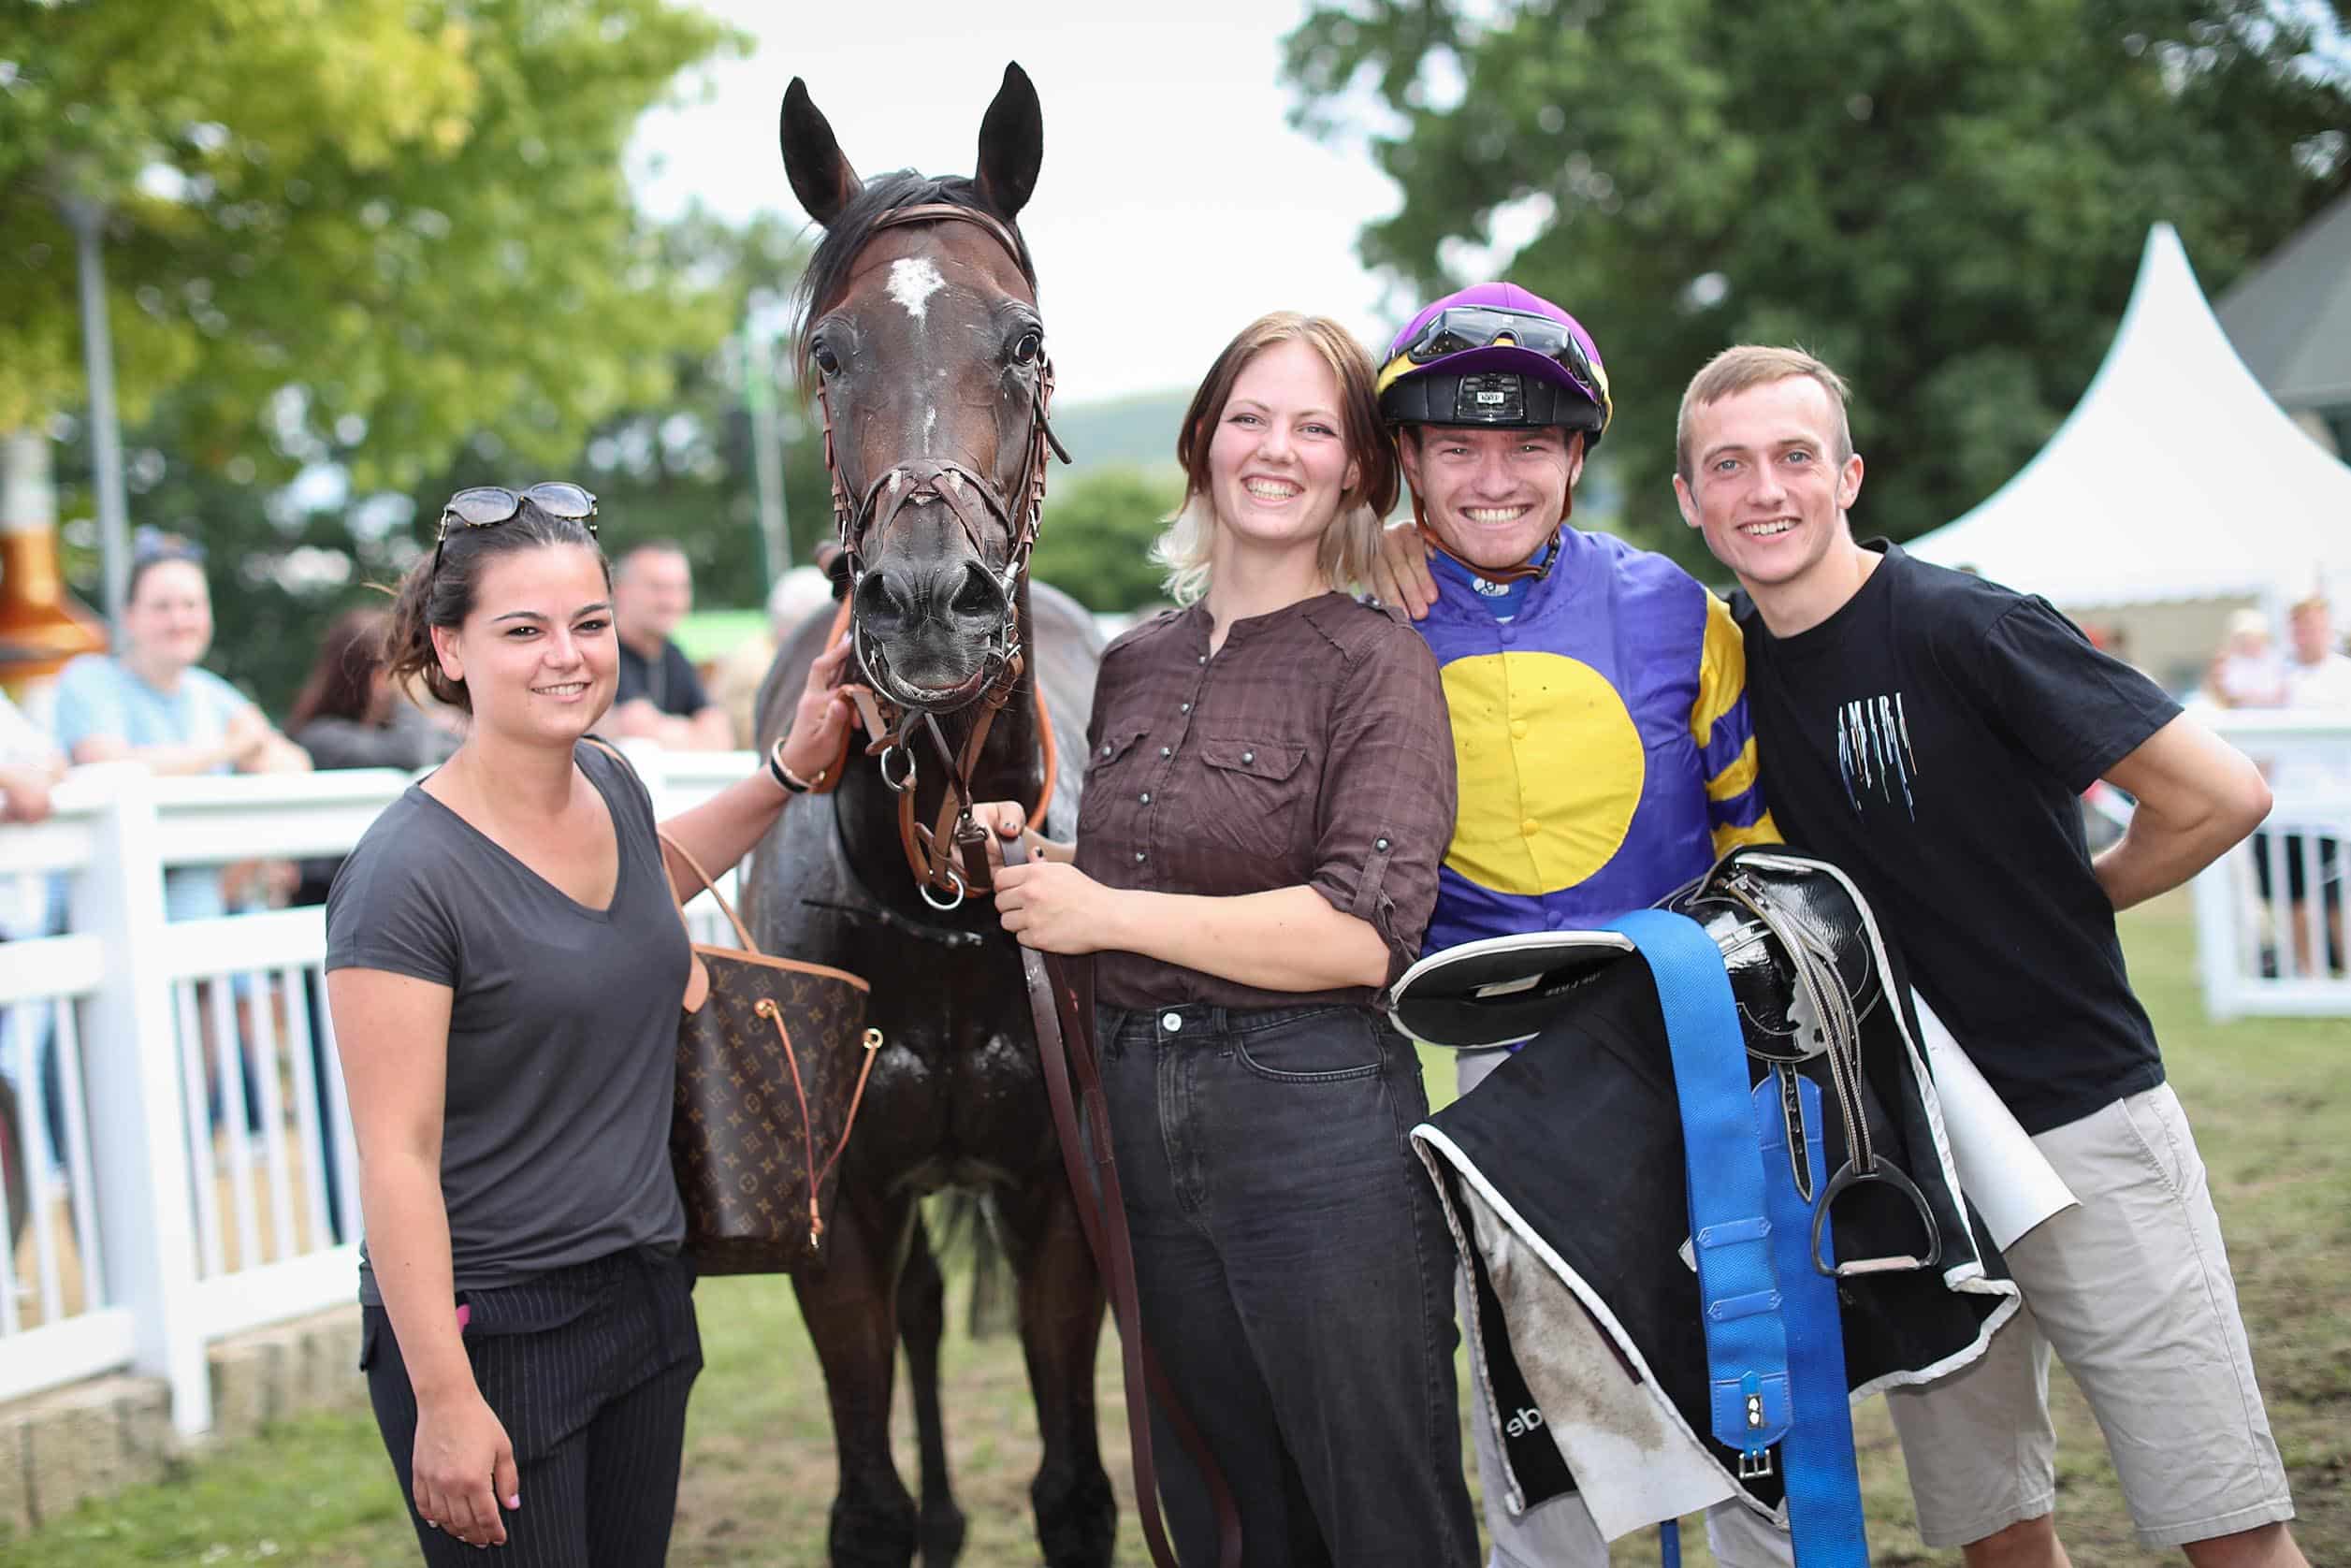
x=1525, y=571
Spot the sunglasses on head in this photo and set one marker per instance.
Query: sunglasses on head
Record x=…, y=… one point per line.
x=149, y=545
x=488, y=505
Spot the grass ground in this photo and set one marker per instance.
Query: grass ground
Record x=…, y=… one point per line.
x=2272, y=1102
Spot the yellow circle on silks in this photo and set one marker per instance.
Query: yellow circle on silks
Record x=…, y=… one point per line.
x=1551, y=767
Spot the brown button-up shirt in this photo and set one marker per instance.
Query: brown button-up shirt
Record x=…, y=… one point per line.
x=1312, y=750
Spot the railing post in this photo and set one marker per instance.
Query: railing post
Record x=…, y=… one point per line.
x=651, y=761
x=136, y=1131
x=2217, y=947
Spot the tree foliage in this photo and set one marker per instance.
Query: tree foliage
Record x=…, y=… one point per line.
x=284, y=560
x=1947, y=201
x=681, y=467
x=1099, y=525
x=364, y=231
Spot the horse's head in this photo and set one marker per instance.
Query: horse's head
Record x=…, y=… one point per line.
x=920, y=336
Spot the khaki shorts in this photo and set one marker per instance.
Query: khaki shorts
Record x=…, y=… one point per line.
x=2133, y=1291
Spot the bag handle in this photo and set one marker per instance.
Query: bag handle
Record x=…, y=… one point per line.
x=742, y=935
x=672, y=846
x=766, y=1007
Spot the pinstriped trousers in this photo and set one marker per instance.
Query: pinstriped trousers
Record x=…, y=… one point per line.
x=589, y=1368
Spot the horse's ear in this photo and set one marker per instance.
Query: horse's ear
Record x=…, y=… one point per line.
x=820, y=177
x=1011, y=145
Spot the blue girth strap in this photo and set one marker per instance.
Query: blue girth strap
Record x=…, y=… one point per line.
x=1767, y=1327
x=1823, y=1481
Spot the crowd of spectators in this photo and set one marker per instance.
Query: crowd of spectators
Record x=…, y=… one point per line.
x=2304, y=835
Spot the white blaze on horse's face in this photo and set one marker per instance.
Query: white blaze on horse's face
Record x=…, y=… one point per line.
x=912, y=281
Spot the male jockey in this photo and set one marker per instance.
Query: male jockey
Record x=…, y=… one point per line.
x=1598, y=700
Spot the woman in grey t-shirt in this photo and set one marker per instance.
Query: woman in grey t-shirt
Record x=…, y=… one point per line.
x=506, y=969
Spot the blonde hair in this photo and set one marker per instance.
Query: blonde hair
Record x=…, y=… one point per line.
x=1351, y=542
x=1745, y=367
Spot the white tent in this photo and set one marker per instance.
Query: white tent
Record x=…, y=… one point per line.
x=2175, y=478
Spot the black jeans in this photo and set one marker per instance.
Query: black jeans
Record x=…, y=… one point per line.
x=1295, y=1279
x=587, y=1367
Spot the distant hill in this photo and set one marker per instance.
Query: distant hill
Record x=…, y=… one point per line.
x=1137, y=431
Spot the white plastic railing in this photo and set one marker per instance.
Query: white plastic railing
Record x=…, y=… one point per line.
x=200, y=1179
x=2272, y=955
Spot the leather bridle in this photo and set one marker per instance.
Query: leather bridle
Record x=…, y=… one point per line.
x=898, y=712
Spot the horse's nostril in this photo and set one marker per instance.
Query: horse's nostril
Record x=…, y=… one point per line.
x=980, y=594
x=880, y=605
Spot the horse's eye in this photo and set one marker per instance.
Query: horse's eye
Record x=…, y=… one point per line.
x=827, y=361
x=1031, y=344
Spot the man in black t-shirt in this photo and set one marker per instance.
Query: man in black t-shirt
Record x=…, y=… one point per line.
x=1931, y=733
x=659, y=696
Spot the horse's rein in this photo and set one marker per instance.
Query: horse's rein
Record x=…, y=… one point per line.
x=930, y=848
x=1073, y=1074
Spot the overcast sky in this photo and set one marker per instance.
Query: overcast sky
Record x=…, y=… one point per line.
x=1175, y=203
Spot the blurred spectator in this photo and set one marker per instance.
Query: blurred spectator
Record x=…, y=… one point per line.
x=2310, y=789
x=2319, y=676
x=30, y=762
x=150, y=703
x=660, y=697
x=2246, y=672
x=350, y=715
x=742, y=670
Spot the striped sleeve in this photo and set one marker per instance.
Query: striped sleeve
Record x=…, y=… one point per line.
x=1726, y=740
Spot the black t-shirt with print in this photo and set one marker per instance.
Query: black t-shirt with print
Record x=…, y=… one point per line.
x=1932, y=738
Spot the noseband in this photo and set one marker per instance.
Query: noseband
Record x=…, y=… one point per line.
x=980, y=510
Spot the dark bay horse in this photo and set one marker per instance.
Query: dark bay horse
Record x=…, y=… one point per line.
x=924, y=346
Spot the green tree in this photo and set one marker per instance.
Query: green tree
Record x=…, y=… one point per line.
x=363, y=231
x=1947, y=201
x=1099, y=525
x=283, y=560
x=681, y=466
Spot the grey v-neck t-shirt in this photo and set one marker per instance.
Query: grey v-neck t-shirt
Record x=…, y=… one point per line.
x=563, y=1029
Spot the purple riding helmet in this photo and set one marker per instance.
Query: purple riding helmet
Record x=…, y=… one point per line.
x=1499, y=356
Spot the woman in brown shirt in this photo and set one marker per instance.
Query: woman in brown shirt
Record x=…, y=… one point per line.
x=1269, y=794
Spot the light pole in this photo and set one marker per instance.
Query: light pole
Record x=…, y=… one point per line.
x=767, y=455
x=87, y=217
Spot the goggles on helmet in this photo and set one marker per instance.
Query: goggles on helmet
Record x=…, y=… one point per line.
x=1461, y=329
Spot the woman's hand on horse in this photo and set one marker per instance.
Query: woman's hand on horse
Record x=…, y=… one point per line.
x=821, y=722
x=1055, y=907
x=465, y=1469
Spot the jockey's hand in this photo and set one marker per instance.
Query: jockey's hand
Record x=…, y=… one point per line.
x=1005, y=819
x=1400, y=572
x=821, y=722
x=1054, y=908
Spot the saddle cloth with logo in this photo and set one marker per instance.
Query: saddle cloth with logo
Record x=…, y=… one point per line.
x=1562, y=1178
